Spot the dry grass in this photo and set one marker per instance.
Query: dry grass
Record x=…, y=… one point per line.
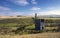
x=41, y=35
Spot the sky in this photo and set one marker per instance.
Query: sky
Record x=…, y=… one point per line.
x=29, y=7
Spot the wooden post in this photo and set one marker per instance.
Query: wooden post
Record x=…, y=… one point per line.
x=39, y=23
x=42, y=24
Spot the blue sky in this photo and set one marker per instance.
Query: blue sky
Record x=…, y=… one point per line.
x=29, y=7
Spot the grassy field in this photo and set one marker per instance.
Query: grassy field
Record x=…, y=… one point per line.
x=40, y=35
x=22, y=28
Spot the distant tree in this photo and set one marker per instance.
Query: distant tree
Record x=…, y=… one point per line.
x=19, y=16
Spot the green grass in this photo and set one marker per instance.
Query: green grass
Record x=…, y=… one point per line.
x=27, y=24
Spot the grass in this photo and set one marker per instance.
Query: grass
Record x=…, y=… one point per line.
x=51, y=28
x=41, y=35
x=14, y=22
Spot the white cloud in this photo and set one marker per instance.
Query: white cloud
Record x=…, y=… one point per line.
x=50, y=8
x=8, y=11
x=33, y=2
x=16, y=13
x=20, y=2
x=51, y=12
x=4, y=8
x=35, y=8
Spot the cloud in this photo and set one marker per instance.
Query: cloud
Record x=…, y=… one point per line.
x=20, y=2
x=50, y=8
x=16, y=13
x=51, y=12
x=8, y=11
x=33, y=2
x=35, y=8
x=4, y=8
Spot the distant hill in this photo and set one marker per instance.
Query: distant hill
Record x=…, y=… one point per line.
x=40, y=16
x=50, y=16
x=18, y=16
